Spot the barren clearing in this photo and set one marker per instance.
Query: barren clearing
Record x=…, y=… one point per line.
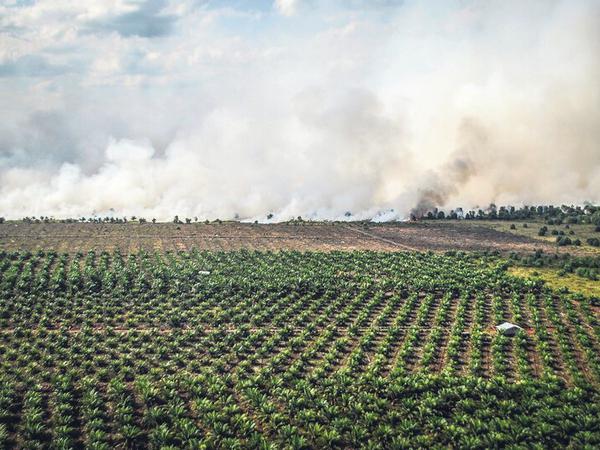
x=162, y=237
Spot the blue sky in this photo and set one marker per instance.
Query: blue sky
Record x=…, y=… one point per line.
x=310, y=107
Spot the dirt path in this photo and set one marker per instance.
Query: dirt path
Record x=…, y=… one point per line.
x=382, y=239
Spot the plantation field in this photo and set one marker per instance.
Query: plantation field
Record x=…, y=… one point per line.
x=289, y=349
x=226, y=236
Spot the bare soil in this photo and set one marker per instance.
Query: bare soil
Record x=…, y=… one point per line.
x=227, y=236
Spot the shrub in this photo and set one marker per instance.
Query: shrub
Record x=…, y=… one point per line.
x=585, y=272
x=594, y=242
x=563, y=240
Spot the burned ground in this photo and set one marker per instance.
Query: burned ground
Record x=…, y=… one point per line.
x=161, y=237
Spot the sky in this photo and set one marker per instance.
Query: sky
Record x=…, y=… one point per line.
x=237, y=109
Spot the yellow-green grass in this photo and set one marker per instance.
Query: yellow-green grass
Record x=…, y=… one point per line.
x=554, y=280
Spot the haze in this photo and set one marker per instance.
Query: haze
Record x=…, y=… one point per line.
x=237, y=109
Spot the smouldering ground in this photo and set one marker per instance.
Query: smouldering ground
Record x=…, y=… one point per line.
x=131, y=237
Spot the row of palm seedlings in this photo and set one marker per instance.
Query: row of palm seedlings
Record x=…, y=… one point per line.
x=288, y=349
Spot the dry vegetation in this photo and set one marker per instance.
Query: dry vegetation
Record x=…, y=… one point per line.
x=226, y=236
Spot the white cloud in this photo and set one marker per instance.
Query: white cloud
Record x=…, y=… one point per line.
x=287, y=7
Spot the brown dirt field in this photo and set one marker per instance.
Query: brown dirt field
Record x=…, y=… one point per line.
x=227, y=236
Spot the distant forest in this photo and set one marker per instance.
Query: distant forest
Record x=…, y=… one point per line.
x=553, y=215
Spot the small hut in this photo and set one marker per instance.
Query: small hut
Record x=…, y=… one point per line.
x=508, y=329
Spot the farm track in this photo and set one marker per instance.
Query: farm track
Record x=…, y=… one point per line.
x=382, y=239
x=440, y=352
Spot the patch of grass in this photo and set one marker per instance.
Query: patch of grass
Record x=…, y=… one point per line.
x=555, y=280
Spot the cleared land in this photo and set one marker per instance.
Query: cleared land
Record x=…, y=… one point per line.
x=132, y=237
x=574, y=231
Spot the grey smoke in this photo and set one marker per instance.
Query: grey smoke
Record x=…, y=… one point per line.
x=441, y=184
x=163, y=108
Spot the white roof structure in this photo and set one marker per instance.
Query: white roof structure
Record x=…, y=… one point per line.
x=508, y=328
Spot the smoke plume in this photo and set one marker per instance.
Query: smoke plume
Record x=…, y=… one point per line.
x=310, y=108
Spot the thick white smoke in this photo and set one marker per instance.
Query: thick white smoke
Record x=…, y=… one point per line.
x=228, y=113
